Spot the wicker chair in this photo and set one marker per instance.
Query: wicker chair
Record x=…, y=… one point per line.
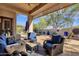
x=3, y=51
x=32, y=36
x=55, y=48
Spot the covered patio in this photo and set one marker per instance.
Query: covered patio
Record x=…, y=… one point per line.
x=31, y=10
x=8, y=13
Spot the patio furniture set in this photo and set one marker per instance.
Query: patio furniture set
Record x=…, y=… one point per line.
x=20, y=47
x=54, y=46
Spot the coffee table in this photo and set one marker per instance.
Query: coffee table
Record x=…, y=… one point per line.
x=34, y=45
x=15, y=47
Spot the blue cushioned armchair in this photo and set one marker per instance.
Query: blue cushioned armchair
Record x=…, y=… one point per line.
x=54, y=46
x=3, y=51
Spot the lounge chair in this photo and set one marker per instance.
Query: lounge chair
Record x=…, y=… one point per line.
x=11, y=41
x=48, y=33
x=54, y=46
x=3, y=51
x=6, y=48
x=32, y=36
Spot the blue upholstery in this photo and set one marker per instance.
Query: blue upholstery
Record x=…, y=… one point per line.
x=2, y=43
x=48, y=45
x=32, y=36
x=11, y=41
x=48, y=33
x=65, y=33
x=43, y=33
x=55, y=40
x=3, y=39
x=2, y=48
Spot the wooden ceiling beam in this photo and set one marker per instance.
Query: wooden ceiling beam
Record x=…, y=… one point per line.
x=53, y=9
x=44, y=8
x=37, y=7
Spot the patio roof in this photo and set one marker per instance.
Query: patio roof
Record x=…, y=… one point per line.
x=35, y=9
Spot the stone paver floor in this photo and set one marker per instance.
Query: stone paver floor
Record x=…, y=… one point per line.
x=71, y=47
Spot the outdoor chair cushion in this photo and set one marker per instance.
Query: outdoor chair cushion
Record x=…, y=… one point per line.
x=11, y=41
x=65, y=33
x=32, y=36
x=48, y=33
x=2, y=47
x=3, y=39
x=56, y=40
x=3, y=44
x=48, y=45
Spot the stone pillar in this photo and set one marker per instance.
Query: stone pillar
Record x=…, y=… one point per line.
x=30, y=18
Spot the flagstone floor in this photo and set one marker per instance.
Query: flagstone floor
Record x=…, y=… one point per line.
x=71, y=47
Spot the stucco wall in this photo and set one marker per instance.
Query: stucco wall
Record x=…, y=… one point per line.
x=10, y=14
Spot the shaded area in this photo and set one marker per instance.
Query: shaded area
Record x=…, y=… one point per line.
x=71, y=48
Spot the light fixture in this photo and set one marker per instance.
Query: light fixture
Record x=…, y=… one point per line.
x=29, y=4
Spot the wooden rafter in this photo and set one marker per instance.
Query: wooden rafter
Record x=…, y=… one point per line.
x=41, y=12
x=53, y=9
x=37, y=7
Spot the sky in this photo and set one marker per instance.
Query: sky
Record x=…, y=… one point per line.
x=76, y=22
x=76, y=19
x=37, y=20
x=21, y=20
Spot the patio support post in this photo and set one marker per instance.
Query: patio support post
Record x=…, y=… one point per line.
x=30, y=18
